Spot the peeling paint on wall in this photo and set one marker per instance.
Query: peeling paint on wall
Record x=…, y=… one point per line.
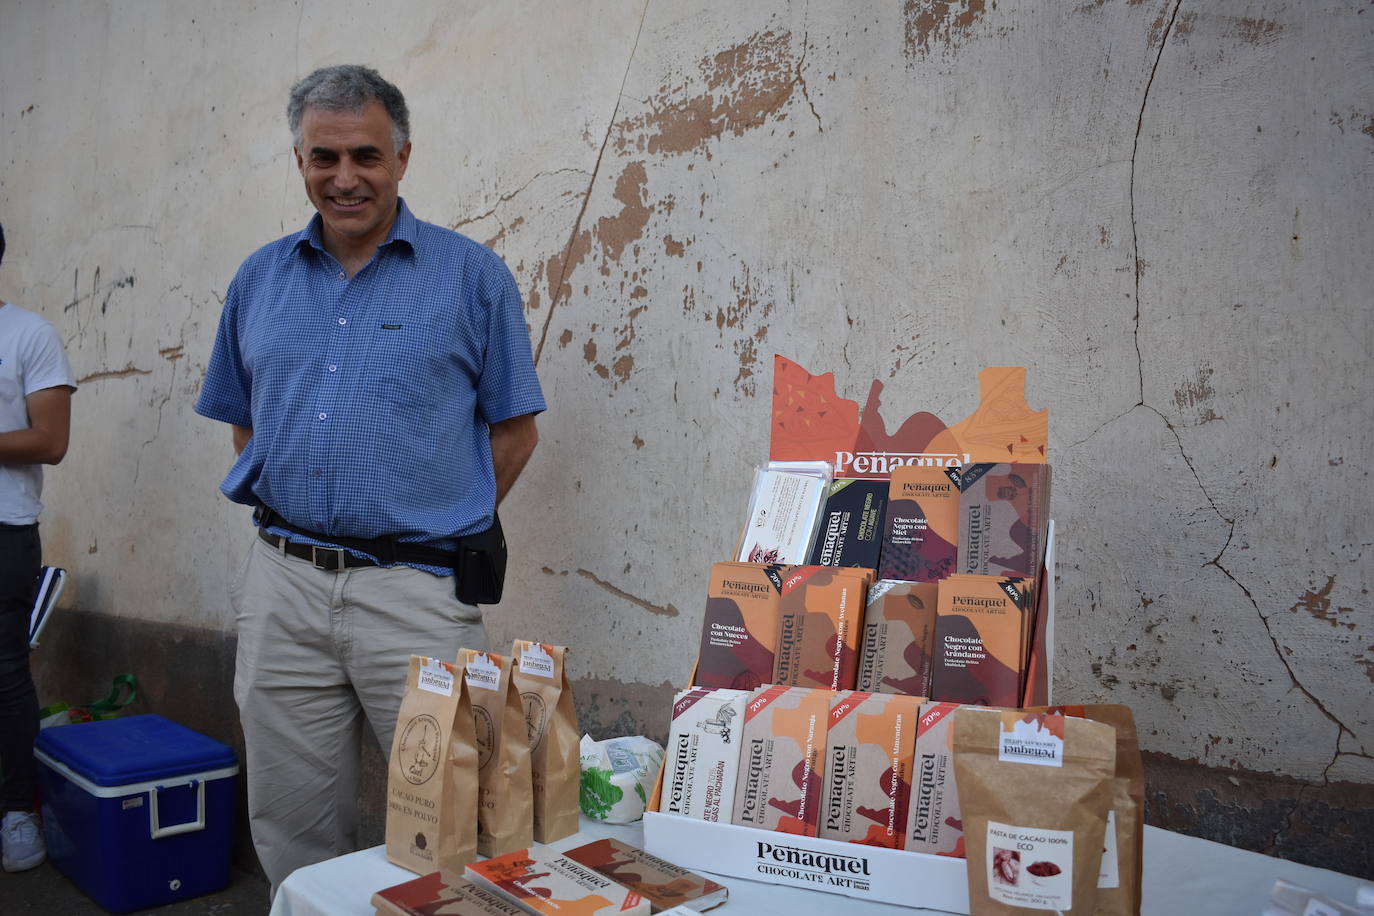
x=127, y=372
x=944, y=24
x=1317, y=602
x=1258, y=31
x=745, y=86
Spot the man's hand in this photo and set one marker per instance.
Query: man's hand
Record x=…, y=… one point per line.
x=512, y=443
x=50, y=422
x=241, y=436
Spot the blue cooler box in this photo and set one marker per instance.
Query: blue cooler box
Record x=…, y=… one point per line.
x=138, y=811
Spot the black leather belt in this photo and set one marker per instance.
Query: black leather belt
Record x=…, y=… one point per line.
x=330, y=559
x=387, y=550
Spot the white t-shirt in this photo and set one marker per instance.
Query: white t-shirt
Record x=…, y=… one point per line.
x=31, y=359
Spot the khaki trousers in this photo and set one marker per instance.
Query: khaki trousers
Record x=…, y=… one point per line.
x=317, y=652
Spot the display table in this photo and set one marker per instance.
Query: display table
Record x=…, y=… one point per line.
x=1182, y=875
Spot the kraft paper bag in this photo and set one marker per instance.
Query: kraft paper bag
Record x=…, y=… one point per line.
x=1120, y=882
x=551, y=722
x=1035, y=791
x=505, y=806
x=431, y=812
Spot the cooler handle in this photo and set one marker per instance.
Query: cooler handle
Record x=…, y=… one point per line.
x=198, y=824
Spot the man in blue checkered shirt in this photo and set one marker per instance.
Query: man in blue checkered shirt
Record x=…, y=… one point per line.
x=377, y=374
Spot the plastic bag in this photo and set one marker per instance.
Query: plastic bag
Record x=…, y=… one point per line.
x=123, y=691
x=617, y=776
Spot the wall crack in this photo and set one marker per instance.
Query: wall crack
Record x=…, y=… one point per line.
x=1103, y=425
x=799, y=80
x=1135, y=235
x=507, y=198
x=556, y=298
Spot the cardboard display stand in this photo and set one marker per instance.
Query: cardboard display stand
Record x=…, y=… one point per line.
x=911, y=879
x=811, y=422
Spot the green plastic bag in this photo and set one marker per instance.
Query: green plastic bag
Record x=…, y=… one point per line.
x=123, y=691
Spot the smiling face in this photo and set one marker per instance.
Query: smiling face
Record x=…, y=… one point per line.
x=352, y=170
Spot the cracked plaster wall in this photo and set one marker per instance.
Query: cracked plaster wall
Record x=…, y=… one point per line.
x=1159, y=206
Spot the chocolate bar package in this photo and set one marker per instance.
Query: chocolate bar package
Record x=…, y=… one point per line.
x=921, y=527
x=981, y=630
x=851, y=529
x=546, y=883
x=869, y=746
x=1003, y=514
x=782, y=765
x=784, y=511
x=820, y=617
x=740, y=630
x=934, y=823
x=702, y=761
x=440, y=894
x=662, y=883
x=897, y=652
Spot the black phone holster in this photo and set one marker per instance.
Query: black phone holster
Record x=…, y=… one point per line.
x=480, y=566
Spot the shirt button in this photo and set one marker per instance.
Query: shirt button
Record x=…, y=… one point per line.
x=333, y=368
x=316, y=472
x=323, y=415
x=342, y=275
x=343, y=321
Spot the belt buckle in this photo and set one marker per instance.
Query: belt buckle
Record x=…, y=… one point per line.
x=320, y=556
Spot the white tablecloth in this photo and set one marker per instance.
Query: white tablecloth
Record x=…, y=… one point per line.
x=1183, y=875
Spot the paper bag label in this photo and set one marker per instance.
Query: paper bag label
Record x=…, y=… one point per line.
x=1110, y=875
x=1030, y=867
x=482, y=672
x=435, y=677
x=535, y=660
x=1031, y=738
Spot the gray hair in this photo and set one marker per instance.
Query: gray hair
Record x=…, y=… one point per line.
x=348, y=88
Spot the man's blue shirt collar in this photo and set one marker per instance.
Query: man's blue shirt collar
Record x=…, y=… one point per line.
x=405, y=230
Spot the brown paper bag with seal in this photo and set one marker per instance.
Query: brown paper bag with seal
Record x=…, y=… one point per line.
x=1035, y=790
x=1120, y=882
x=505, y=808
x=551, y=721
x=431, y=787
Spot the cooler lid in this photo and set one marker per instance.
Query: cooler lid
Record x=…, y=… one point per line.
x=115, y=752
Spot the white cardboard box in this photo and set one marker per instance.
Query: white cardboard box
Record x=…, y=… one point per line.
x=867, y=872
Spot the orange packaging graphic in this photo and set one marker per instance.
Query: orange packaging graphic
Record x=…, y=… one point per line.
x=549, y=884
x=934, y=824
x=781, y=760
x=921, y=528
x=897, y=653
x=981, y=630
x=819, y=625
x=740, y=630
x=871, y=739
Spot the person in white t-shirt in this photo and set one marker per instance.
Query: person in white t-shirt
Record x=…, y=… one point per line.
x=36, y=388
